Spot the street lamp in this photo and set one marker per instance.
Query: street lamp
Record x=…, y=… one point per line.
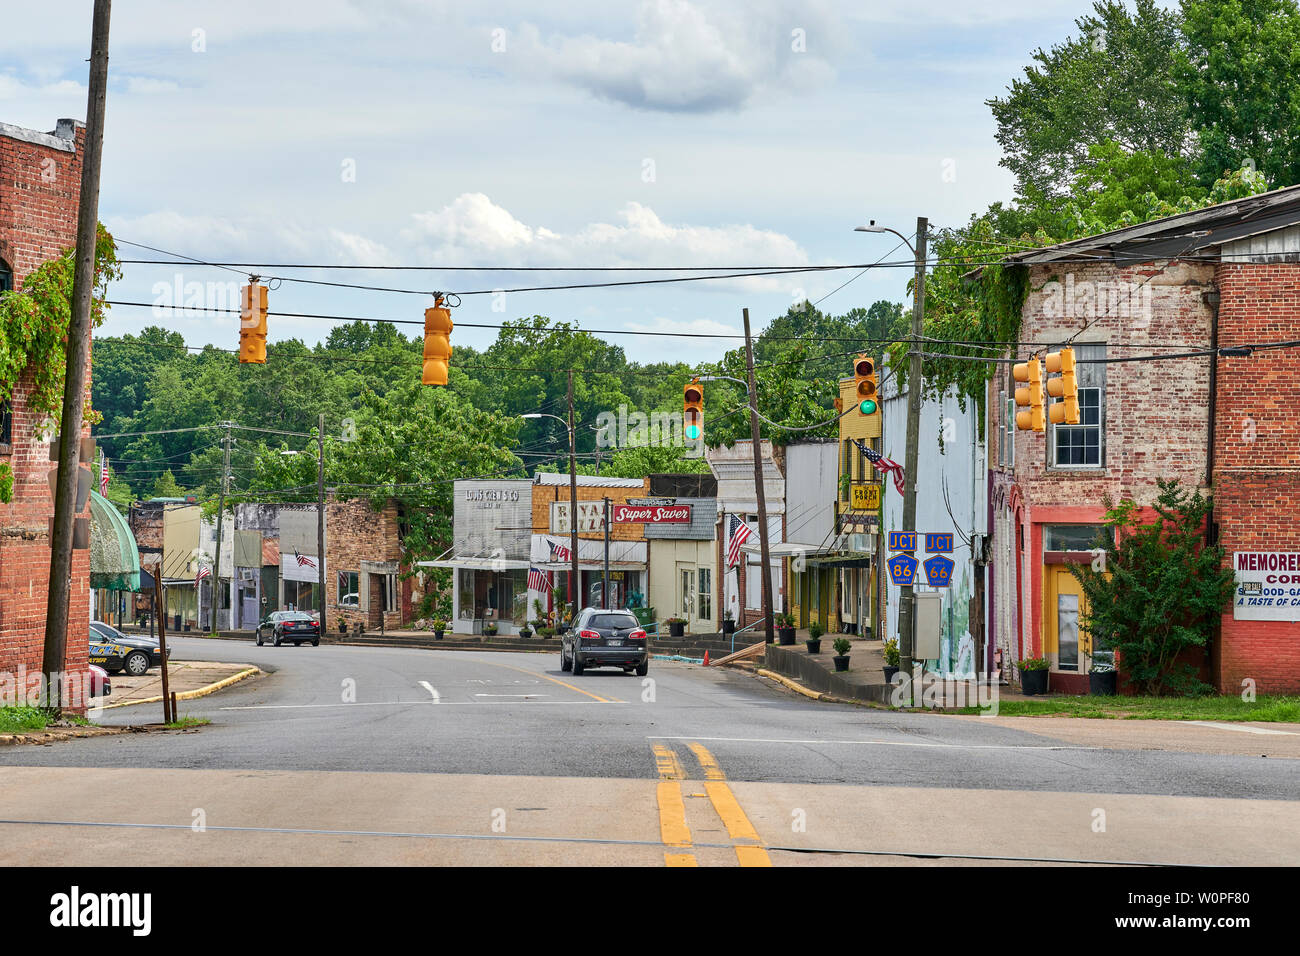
x=906, y=617
x=574, y=581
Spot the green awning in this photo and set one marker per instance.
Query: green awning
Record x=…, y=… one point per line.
x=114, y=557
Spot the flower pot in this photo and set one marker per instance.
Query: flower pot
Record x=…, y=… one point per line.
x=786, y=636
x=890, y=672
x=814, y=647
x=676, y=628
x=841, y=663
x=728, y=626
x=525, y=633
x=1033, y=682
x=437, y=635
x=1101, y=682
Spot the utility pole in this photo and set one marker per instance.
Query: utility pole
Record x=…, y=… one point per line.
x=221, y=514
x=320, y=520
x=906, y=617
x=575, y=582
x=768, y=623
x=78, y=353
x=604, y=591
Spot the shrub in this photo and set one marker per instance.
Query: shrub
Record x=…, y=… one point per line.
x=890, y=648
x=815, y=630
x=1035, y=664
x=438, y=624
x=842, y=645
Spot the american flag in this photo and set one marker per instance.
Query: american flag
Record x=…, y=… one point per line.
x=103, y=474
x=536, y=580
x=560, y=552
x=737, y=534
x=303, y=559
x=886, y=465
x=204, y=572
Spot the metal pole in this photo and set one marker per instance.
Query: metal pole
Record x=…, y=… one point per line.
x=320, y=518
x=575, y=583
x=905, y=602
x=78, y=353
x=768, y=623
x=221, y=514
x=604, y=598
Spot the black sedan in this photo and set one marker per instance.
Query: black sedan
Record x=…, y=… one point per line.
x=600, y=638
x=296, y=627
x=122, y=653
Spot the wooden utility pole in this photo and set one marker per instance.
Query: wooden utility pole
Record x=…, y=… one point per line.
x=768, y=623
x=221, y=515
x=169, y=715
x=604, y=591
x=575, y=581
x=906, y=608
x=320, y=520
x=78, y=353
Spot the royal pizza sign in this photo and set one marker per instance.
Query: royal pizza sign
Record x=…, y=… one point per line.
x=652, y=514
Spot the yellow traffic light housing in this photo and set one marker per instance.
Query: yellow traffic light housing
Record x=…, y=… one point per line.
x=1063, y=386
x=1030, y=397
x=693, y=411
x=864, y=373
x=252, y=323
x=437, y=343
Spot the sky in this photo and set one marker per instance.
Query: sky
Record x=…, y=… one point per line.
x=500, y=134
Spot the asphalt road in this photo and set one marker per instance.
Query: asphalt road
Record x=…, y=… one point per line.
x=397, y=755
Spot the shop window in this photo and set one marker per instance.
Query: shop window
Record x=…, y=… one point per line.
x=1082, y=445
x=6, y=277
x=1076, y=537
x=465, y=593
x=349, y=583
x=705, y=593
x=6, y=425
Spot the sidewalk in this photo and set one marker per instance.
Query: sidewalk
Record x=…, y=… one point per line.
x=186, y=679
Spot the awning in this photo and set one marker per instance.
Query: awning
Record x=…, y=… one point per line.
x=476, y=563
x=114, y=556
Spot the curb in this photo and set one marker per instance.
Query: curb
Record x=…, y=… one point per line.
x=43, y=737
x=791, y=685
x=191, y=694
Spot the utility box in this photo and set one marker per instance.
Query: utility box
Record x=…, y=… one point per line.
x=927, y=614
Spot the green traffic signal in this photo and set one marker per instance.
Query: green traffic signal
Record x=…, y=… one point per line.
x=868, y=407
x=692, y=432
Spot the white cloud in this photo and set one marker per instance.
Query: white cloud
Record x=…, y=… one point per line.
x=694, y=56
x=146, y=85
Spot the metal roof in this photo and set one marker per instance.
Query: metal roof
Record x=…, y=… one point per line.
x=587, y=481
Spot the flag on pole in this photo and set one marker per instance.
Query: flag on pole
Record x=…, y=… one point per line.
x=560, y=552
x=204, y=572
x=737, y=534
x=303, y=560
x=886, y=465
x=536, y=580
x=103, y=474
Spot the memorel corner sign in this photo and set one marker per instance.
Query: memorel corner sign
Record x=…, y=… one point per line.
x=1268, y=586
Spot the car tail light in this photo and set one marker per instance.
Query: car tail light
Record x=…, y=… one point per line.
x=637, y=635
x=589, y=635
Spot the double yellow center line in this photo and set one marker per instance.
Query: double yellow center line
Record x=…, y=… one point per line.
x=672, y=810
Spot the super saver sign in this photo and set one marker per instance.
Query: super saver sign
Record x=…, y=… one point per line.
x=1268, y=586
x=652, y=514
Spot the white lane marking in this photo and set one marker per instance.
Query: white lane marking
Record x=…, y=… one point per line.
x=1243, y=730
x=431, y=689
x=527, y=696
x=878, y=743
x=406, y=703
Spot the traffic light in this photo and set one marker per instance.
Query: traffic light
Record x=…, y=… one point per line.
x=1064, y=386
x=252, y=323
x=864, y=371
x=1031, y=396
x=693, y=411
x=437, y=343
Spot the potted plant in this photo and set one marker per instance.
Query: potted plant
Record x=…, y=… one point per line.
x=676, y=626
x=728, y=623
x=785, y=629
x=490, y=630
x=1033, y=675
x=890, y=648
x=439, y=627
x=814, y=642
x=342, y=624
x=841, y=658
x=526, y=632
x=545, y=632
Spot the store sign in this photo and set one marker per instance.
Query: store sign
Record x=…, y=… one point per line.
x=1268, y=586
x=652, y=514
x=591, y=517
x=866, y=497
x=491, y=494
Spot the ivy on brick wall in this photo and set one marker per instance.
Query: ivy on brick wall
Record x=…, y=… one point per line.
x=34, y=333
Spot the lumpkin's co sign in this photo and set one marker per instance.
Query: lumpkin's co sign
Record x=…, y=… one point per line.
x=1268, y=586
x=652, y=514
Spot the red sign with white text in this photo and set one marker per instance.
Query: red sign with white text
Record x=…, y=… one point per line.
x=652, y=514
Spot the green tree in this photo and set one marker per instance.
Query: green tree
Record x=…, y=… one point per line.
x=1160, y=592
x=165, y=486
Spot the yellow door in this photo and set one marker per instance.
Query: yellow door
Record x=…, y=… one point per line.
x=1063, y=614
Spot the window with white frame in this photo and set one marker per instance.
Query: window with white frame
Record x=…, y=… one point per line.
x=1083, y=445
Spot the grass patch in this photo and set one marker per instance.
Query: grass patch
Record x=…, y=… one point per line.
x=1269, y=708
x=186, y=722
x=18, y=719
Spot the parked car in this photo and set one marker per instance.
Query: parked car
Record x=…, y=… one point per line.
x=298, y=627
x=122, y=653
x=100, y=685
x=605, y=638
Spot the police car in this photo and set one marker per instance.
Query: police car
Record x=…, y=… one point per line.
x=119, y=653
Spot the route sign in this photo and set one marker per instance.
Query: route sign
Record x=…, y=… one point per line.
x=938, y=543
x=902, y=541
x=902, y=569
x=938, y=571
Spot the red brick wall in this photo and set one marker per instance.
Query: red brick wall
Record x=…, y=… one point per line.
x=354, y=533
x=1257, y=460
x=39, y=188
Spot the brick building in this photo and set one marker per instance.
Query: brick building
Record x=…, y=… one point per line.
x=1224, y=276
x=40, y=181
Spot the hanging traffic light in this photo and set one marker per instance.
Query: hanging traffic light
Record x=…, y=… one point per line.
x=693, y=411
x=252, y=323
x=1030, y=396
x=437, y=343
x=1064, y=386
x=864, y=371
